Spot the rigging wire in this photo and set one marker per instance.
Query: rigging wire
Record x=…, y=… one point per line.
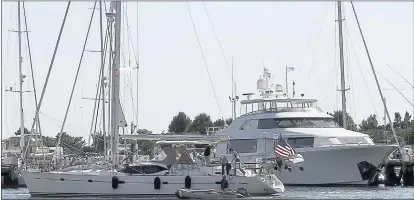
x=397, y=90
x=360, y=69
x=375, y=76
x=137, y=60
x=221, y=46
x=107, y=35
x=351, y=92
x=47, y=76
x=314, y=49
x=76, y=77
x=401, y=76
x=335, y=64
x=129, y=38
x=204, y=59
x=5, y=72
x=31, y=64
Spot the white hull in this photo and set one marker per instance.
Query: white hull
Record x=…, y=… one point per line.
x=65, y=184
x=336, y=165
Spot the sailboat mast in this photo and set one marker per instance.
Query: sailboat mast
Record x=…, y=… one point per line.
x=103, y=77
x=21, y=77
x=341, y=60
x=115, y=84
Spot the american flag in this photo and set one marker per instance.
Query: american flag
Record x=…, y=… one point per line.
x=283, y=149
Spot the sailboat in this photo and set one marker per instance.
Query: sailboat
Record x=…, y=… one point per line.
x=159, y=181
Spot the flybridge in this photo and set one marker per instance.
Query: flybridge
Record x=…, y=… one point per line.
x=274, y=99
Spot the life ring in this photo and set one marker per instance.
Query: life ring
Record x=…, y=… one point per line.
x=157, y=183
x=187, y=182
x=114, y=182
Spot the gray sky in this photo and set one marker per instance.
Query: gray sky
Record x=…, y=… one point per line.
x=173, y=77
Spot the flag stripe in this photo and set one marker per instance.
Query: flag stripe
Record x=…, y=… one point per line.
x=283, y=149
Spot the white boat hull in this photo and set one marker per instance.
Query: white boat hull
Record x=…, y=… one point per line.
x=66, y=184
x=334, y=165
x=330, y=166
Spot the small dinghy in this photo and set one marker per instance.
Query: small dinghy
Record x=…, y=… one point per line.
x=209, y=194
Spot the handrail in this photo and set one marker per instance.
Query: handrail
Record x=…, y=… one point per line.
x=283, y=109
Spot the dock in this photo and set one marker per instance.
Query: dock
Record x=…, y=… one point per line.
x=397, y=171
x=9, y=177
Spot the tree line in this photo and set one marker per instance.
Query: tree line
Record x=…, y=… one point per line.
x=404, y=127
x=183, y=124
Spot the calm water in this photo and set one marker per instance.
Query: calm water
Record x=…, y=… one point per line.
x=295, y=193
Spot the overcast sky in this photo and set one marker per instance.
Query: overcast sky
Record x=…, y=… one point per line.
x=173, y=76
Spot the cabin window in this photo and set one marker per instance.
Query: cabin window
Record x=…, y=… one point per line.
x=331, y=123
x=301, y=142
x=297, y=123
x=267, y=124
x=243, y=146
x=286, y=123
x=245, y=125
x=302, y=123
x=150, y=169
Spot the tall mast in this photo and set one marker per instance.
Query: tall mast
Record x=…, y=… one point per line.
x=21, y=77
x=341, y=60
x=103, y=79
x=110, y=19
x=115, y=84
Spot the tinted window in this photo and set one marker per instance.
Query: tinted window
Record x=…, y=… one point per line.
x=297, y=123
x=151, y=169
x=267, y=124
x=300, y=142
x=243, y=146
x=318, y=123
x=302, y=123
x=286, y=123
x=331, y=123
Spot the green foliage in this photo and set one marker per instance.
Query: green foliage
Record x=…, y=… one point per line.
x=229, y=121
x=70, y=144
x=98, y=142
x=370, y=123
x=218, y=123
x=180, y=123
x=49, y=141
x=397, y=120
x=145, y=146
x=25, y=131
x=338, y=119
x=200, y=123
x=404, y=129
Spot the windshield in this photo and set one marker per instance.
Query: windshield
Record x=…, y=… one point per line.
x=297, y=123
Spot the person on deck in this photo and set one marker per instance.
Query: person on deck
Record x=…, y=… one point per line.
x=224, y=162
x=207, y=153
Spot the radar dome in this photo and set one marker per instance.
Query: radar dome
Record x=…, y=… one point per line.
x=261, y=84
x=279, y=88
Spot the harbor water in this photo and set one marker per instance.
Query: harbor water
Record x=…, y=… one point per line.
x=291, y=192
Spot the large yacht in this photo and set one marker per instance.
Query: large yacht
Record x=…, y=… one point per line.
x=333, y=155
